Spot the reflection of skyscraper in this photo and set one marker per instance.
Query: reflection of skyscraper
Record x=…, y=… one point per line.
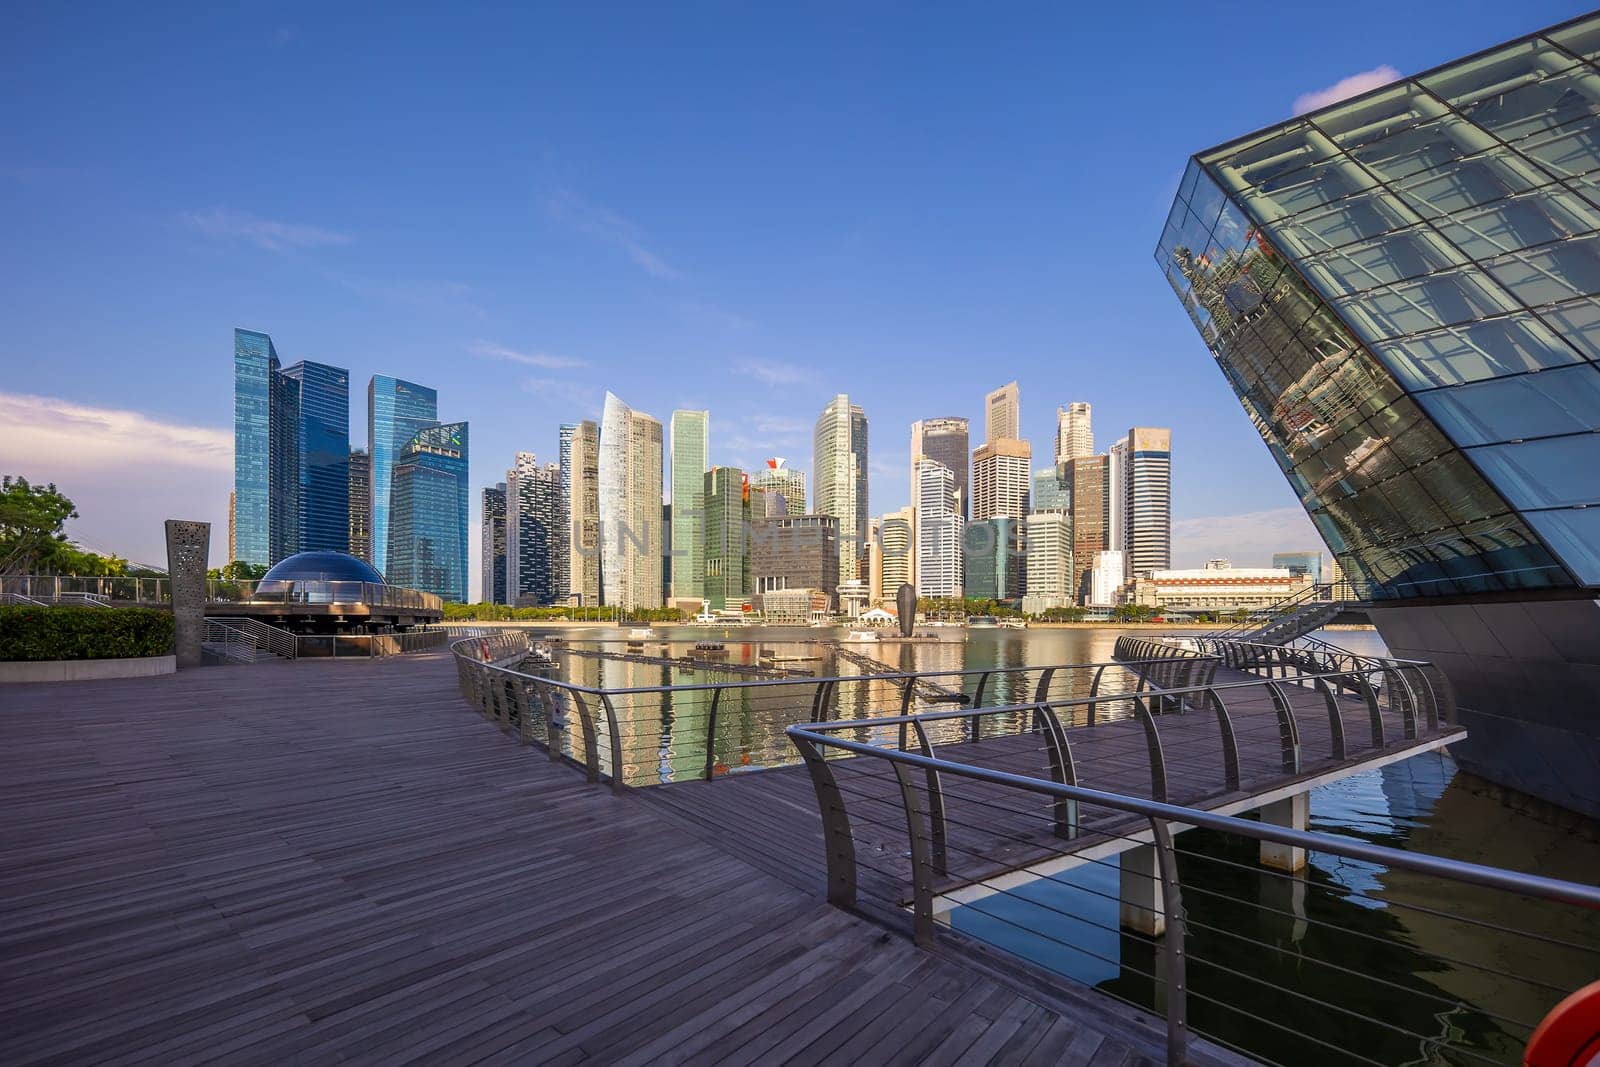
x=630, y=507
x=323, y=477
x=396, y=410
x=361, y=504
x=839, y=477
x=690, y=457
x=1074, y=433
x=580, y=459
x=1002, y=414
x=938, y=532
x=492, y=546
x=428, y=527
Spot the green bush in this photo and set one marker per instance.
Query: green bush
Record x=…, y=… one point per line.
x=35, y=633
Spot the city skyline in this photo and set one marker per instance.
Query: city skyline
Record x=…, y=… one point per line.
x=627, y=274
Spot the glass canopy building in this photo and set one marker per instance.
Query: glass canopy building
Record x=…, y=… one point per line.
x=1402, y=290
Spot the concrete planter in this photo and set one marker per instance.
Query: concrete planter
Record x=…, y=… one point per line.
x=86, y=670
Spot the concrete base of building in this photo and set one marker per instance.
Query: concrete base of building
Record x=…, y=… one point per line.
x=86, y=670
x=1526, y=673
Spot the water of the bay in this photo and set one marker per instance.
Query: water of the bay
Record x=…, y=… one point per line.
x=1352, y=963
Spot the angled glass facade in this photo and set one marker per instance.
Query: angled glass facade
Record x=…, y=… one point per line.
x=992, y=567
x=323, y=467
x=1404, y=291
x=255, y=363
x=396, y=411
x=428, y=513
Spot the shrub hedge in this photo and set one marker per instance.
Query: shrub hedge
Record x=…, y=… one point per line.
x=48, y=633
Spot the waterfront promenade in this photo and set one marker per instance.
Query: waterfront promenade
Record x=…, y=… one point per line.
x=331, y=861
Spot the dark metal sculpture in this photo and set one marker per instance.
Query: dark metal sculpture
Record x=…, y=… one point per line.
x=906, y=601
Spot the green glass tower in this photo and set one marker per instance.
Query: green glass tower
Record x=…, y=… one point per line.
x=727, y=537
x=690, y=434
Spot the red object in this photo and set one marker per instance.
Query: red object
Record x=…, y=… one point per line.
x=1570, y=1034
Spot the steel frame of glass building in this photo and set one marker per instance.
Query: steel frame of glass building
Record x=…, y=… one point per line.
x=1403, y=289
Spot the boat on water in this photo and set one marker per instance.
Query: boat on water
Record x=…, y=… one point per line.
x=980, y=622
x=860, y=637
x=1012, y=624
x=640, y=633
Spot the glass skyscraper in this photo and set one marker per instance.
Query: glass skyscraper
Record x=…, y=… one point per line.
x=396, y=410
x=492, y=546
x=255, y=364
x=689, y=447
x=631, y=541
x=428, y=517
x=1402, y=289
x=323, y=474
x=725, y=492
x=839, y=478
x=992, y=567
x=361, y=504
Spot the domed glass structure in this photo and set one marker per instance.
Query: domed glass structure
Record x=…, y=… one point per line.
x=322, y=567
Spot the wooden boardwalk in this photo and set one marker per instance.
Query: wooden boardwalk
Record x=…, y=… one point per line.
x=339, y=861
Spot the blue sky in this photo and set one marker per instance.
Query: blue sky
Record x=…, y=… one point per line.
x=746, y=208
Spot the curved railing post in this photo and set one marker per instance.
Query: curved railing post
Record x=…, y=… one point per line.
x=936, y=812
x=591, y=745
x=921, y=861
x=1401, y=700
x=1094, y=686
x=1158, y=756
x=1374, y=716
x=1063, y=769
x=1288, y=729
x=614, y=736
x=1431, y=710
x=711, y=734
x=838, y=845
x=1335, y=720
x=1230, y=743
x=975, y=724
x=1172, y=947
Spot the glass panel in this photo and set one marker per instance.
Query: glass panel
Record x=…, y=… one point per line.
x=1508, y=409
x=1542, y=105
x=1424, y=148
x=1574, y=534
x=1468, y=183
x=1552, y=473
x=1463, y=492
x=1305, y=189
x=1582, y=38
x=1277, y=154
x=1423, y=304
x=1555, y=272
x=1474, y=351
x=1569, y=151
x=1204, y=205
x=1380, y=262
x=1578, y=323
x=1191, y=174
x=1521, y=222
x=1355, y=219
x=1229, y=233
x=1370, y=119
x=1500, y=72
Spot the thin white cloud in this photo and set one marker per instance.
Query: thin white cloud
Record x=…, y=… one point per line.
x=270, y=234
x=606, y=225
x=1247, y=540
x=543, y=360
x=575, y=398
x=126, y=471
x=1345, y=88
x=772, y=372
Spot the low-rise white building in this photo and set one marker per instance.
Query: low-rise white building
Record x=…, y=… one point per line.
x=1213, y=588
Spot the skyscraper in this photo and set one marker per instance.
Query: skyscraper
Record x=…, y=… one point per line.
x=492, y=546
x=839, y=477
x=1002, y=414
x=630, y=507
x=1086, y=476
x=323, y=448
x=946, y=441
x=785, y=481
x=1000, y=479
x=991, y=552
x=1049, y=488
x=266, y=452
x=1117, y=517
x=360, y=504
x=580, y=458
x=428, y=518
x=725, y=554
x=1051, y=576
x=1074, y=434
x=536, y=532
x=897, y=551
x=939, y=528
x=396, y=411
x=1146, y=501
x=689, y=445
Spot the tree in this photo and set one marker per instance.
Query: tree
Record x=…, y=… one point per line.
x=31, y=521
x=238, y=571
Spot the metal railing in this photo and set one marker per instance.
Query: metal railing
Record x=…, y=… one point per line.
x=1088, y=884
x=157, y=591
x=367, y=646
x=266, y=637
x=228, y=642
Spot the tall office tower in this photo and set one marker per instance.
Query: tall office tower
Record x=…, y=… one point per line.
x=1002, y=419
x=324, y=456
x=991, y=552
x=428, y=517
x=233, y=531
x=1052, y=580
x=785, y=481
x=1145, y=499
x=536, y=532
x=897, y=549
x=939, y=527
x=1074, y=434
x=1117, y=499
x=690, y=459
x=839, y=478
x=1049, y=488
x=360, y=504
x=492, y=546
x=396, y=411
x=725, y=553
x=630, y=507
x=1000, y=479
x=580, y=458
x=266, y=452
x=1086, y=479
x=794, y=553
x=946, y=441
